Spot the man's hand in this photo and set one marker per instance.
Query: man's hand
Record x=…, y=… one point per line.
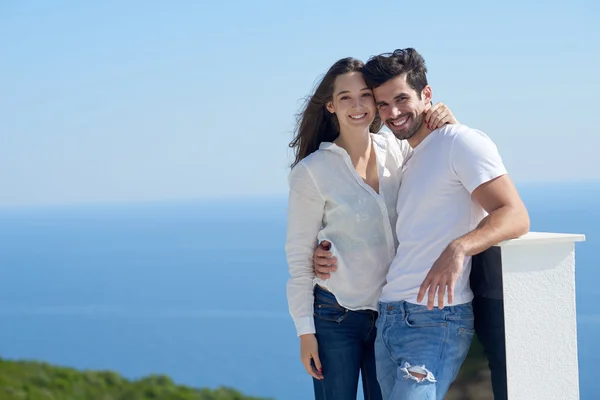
x=323, y=261
x=309, y=351
x=443, y=274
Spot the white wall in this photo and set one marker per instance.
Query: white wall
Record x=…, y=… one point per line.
x=538, y=272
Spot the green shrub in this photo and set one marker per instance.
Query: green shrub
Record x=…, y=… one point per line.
x=30, y=380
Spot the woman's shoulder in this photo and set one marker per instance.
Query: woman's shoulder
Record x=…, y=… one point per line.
x=314, y=163
x=320, y=157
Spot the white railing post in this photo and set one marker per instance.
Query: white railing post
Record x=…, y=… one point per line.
x=538, y=274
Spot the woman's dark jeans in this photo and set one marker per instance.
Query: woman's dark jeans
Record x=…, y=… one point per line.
x=346, y=347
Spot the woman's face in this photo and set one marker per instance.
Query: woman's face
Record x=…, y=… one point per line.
x=352, y=102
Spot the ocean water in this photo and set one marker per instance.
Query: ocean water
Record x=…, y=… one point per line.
x=197, y=290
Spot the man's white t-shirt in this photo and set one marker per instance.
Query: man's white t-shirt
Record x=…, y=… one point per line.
x=435, y=207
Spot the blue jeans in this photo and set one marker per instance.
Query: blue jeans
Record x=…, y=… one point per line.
x=346, y=348
x=432, y=343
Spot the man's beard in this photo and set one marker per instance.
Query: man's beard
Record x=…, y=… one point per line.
x=411, y=132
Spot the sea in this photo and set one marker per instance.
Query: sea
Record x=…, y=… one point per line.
x=196, y=289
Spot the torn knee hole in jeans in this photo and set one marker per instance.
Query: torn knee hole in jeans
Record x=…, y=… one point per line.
x=417, y=373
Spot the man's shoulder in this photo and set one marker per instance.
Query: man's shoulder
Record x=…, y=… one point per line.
x=462, y=136
x=459, y=130
x=474, y=157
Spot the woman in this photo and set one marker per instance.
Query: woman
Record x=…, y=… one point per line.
x=343, y=188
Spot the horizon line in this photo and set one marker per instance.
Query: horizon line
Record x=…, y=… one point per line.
x=224, y=197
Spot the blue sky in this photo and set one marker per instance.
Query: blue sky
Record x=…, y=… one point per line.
x=153, y=100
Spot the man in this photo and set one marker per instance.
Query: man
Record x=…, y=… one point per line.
x=456, y=200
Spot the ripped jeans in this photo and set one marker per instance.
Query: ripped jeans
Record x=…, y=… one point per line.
x=433, y=343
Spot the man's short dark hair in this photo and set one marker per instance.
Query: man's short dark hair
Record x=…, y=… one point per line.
x=380, y=69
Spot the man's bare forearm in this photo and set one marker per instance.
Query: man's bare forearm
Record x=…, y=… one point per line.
x=502, y=224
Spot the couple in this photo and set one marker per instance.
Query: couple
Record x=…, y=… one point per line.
x=403, y=214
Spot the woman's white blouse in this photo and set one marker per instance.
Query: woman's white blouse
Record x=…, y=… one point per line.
x=328, y=200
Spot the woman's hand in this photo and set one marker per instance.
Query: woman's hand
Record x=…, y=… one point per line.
x=309, y=350
x=439, y=115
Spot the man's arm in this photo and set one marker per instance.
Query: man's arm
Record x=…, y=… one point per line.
x=507, y=219
x=323, y=260
x=477, y=164
x=507, y=216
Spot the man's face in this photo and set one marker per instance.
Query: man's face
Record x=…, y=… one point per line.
x=400, y=107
